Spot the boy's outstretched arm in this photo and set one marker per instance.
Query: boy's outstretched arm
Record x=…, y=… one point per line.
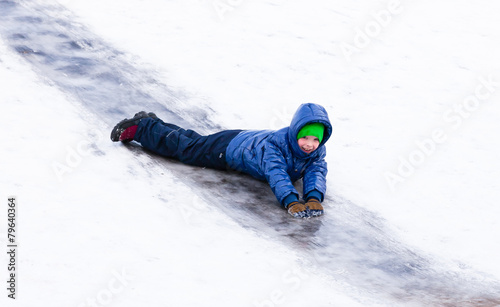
x=315, y=185
x=315, y=179
x=274, y=167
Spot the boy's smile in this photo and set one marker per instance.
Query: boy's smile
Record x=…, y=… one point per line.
x=308, y=143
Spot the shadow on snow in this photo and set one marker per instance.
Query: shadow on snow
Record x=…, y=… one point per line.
x=350, y=244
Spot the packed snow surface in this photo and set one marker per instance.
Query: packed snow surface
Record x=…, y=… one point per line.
x=411, y=215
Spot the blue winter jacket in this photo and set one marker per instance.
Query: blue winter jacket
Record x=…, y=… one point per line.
x=276, y=157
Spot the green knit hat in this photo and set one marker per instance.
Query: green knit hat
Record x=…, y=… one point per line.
x=314, y=129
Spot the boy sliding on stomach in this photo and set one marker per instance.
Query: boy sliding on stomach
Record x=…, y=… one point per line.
x=280, y=157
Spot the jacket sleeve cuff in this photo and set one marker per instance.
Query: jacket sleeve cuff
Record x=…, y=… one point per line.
x=290, y=199
x=314, y=194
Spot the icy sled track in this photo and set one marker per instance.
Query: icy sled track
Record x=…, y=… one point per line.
x=351, y=244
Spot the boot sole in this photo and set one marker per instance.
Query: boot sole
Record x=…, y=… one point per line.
x=126, y=123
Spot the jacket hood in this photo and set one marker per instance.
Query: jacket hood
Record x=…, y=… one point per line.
x=305, y=114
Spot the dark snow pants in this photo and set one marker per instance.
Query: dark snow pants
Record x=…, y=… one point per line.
x=186, y=146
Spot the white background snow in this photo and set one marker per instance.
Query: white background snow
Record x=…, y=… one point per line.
x=101, y=232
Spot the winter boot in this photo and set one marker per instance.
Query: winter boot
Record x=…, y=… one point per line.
x=125, y=130
x=150, y=114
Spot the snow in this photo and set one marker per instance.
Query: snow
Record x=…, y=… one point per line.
x=80, y=230
x=126, y=232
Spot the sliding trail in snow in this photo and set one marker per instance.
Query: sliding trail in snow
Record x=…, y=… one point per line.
x=349, y=243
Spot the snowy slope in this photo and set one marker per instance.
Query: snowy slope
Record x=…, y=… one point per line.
x=251, y=69
x=100, y=233
x=258, y=63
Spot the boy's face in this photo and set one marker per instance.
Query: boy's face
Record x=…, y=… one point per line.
x=308, y=143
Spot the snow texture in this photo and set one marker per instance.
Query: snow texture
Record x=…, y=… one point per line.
x=411, y=213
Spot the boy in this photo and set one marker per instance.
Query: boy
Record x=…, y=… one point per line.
x=280, y=157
